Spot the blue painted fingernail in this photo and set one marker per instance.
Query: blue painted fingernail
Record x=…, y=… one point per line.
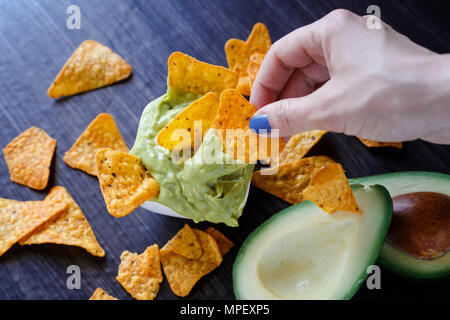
x=260, y=122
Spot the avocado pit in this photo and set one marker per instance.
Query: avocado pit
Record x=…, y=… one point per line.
x=420, y=224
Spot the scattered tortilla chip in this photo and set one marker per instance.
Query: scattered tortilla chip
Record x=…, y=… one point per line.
x=29, y=157
x=289, y=180
x=235, y=112
x=91, y=66
x=254, y=64
x=299, y=145
x=239, y=52
x=330, y=190
x=100, y=294
x=18, y=219
x=203, y=110
x=187, y=74
x=223, y=242
x=69, y=228
x=183, y=273
x=124, y=182
x=101, y=133
x=375, y=144
x=185, y=244
x=140, y=274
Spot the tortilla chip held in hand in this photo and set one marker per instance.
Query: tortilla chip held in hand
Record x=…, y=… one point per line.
x=124, y=181
x=29, y=156
x=376, y=144
x=91, y=66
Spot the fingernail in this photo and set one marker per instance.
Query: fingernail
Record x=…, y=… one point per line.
x=260, y=122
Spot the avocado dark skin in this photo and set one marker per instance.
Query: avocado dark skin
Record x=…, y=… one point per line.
x=420, y=224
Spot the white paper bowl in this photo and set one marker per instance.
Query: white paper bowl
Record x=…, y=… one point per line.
x=162, y=209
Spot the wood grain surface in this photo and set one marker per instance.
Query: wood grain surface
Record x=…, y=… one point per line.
x=35, y=43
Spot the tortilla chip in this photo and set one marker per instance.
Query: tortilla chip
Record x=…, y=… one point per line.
x=187, y=74
x=100, y=294
x=140, y=274
x=223, y=242
x=91, y=66
x=70, y=227
x=235, y=112
x=330, y=190
x=101, y=133
x=239, y=52
x=185, y=244
x=299, y=145
x=18, y=219
x=254, y=64
x=203, y=109
x=124, y=182
x=375, y=144
x=183, y=273
x=29, y=156
x=288, y=180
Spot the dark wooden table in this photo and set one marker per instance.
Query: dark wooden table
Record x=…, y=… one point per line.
x=35, y=43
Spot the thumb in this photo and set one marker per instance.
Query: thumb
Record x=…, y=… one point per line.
x=294, y=115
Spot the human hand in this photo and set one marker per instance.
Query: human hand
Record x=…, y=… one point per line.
x=336, y=74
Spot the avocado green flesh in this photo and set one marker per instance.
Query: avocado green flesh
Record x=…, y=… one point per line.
x=198, y=189
x=402, y=183
x=304, y=253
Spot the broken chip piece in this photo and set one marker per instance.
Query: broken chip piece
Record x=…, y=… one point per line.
x=28, y=157
x=202, y=111
x=185, y=244
x=18, y=219
x=140, y=274
x=299, y=144
x=69, y=228
x=100, y=294
x=101, y=133
x=331, y=191
x=238, y=54
x=375, y=144
x=183, y=273
x=235, y=112
x=124, y=181
x=187, y=74
x=91, y=66
x=289, y=180
x=223, y=242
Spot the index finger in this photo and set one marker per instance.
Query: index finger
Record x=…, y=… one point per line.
x=297, y=49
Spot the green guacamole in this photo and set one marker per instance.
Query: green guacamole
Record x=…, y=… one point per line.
x=195, y=188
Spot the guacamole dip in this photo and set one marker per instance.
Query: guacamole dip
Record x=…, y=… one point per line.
x=200, y=190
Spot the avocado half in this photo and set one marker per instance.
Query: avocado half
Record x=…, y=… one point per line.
x=401, y=183
x=303, y=252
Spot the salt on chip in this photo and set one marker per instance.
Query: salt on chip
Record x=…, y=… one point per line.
x=331, y=191
x=254, y=64
x=29, y=156
x=299, y=144
x=100, y=294
x=91, y=66
x=140, y=274
x=239, y=52
x=188, y=75
x=183, y=273
x=18, y=219
x=223, y=242
x=185, y=244
x=101, y=133
x=124, y=181
x=375, y=144
x=70, y=227
x=235, y=112
x=202, y=111
x=288, y=180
